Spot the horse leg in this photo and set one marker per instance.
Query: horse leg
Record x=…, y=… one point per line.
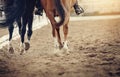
x=10, y=28
x=59, y=38
x=53, y=22
x=30, y=21
x=23, y=31
x=56, y=45
x=65, y=31
x=29, y=32
x=19, y=25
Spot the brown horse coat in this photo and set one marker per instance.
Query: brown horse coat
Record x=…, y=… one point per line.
x=51, y=11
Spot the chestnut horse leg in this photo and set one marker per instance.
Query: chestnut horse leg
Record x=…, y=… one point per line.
x=59, y=38
x=10, y=28
x=65, y=31
x=50, y=15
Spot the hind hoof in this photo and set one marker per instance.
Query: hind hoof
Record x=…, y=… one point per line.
x=11, y=50
x=66, y=51
x=27, y=46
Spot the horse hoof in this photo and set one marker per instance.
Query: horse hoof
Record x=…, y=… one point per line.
x=11, y=50
x=66, y=51
x=22, y=51
x=27, y=46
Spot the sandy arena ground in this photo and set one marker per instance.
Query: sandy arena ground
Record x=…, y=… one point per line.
x=94, y=52
x=3, y=31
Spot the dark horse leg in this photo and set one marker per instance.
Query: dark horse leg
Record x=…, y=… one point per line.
x=12, y=13
x=30, y=21
x=23, y=31
x=10, y=28
x=27, y=19
x=19, y=25
x=29, y=32
x=17, y=10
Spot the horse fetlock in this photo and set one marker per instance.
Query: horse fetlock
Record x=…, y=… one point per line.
x=10, y=44
x=22, y=48
x=56, y=44
x=29, y=34
x=28, y=38
x=22, y=45
x=65, y=47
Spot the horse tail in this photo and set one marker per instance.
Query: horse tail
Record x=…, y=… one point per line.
x=61, y=12
x=13, y=11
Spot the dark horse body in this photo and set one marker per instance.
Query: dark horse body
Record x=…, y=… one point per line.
x=21, y=11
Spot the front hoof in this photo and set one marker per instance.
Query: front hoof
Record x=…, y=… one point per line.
x=66, y=51
x=27, y=46
x=57, y=52
x=11, y=50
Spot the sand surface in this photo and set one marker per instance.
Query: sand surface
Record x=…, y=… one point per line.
x=94, y=52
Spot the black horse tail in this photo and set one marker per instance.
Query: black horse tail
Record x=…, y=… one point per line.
x=13, y=11
x=61, y=12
